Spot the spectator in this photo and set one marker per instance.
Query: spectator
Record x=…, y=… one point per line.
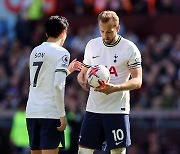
x=19, y=135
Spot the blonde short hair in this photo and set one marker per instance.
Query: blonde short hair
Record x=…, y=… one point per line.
x=106, y=16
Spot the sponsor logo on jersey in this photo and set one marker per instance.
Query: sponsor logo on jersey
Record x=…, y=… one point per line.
x=112, y=70
x=95, y=57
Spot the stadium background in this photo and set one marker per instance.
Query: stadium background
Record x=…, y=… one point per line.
x=153, y=25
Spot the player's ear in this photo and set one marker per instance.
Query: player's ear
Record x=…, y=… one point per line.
x=118, y=28
x=63, y=33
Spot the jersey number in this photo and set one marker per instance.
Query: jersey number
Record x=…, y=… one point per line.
x=118, y=135
x=38, y=64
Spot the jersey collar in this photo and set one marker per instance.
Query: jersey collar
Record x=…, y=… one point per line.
x=112, y=45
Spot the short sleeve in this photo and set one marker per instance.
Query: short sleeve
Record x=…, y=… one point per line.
x=135, y=58
x=86, y=61
x=62, y=64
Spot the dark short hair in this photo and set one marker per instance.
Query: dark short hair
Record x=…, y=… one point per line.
x=55, y=25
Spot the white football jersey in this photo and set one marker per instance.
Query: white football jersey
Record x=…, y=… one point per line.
x=118, y=58
x=45, y=60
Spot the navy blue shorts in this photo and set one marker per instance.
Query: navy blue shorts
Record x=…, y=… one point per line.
x=109, y=130
x=43, y=133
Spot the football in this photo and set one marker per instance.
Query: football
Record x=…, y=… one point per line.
x=97, y=75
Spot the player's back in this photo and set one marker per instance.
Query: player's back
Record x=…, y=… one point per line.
x=44, y=60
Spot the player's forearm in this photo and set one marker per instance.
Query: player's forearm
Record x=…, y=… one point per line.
x=68, y=72
x=82, y=74
x=59, y=85
x=134, y=83
x=59, y=99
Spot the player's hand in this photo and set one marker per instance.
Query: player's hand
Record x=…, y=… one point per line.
x=83, y=82
x=63, y=124
x=74, y=66
x=106, y=88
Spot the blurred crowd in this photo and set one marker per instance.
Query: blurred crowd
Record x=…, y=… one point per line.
x=93, y=7
x=160, y=55
x=161, y=66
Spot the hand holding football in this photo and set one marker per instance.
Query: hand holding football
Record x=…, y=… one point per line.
x=96, y=75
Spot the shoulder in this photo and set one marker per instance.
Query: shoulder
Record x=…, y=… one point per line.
x=37, y=50
x=130, y=45
x=39, y=47
x=95, y=41
x=128, y=42
x=57, y=51
x=62, y=50
x=54, y=48
x=62, y=55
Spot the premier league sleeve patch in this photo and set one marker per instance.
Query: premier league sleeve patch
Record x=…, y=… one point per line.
x=65, y=61
x=62, y=64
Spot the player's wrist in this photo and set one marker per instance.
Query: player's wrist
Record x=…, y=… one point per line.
x=68, y=72
x=117, y=88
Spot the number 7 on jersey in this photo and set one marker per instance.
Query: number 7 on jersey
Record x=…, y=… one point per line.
x=38, y=64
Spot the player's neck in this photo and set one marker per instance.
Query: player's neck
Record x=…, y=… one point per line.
x=55, y=40
x=115, y=39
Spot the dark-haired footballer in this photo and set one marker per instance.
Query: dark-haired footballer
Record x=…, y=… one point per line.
x=45, y=111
